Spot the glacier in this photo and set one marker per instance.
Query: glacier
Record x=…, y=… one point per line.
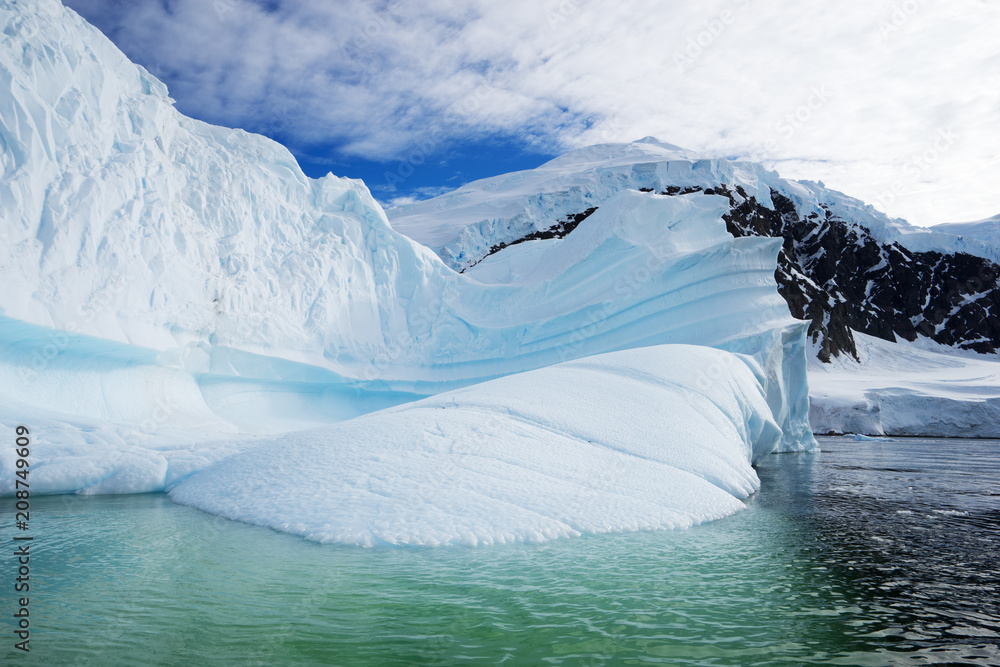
x=175, y=296
x=981, y=233
x=893, y=280
x=907, y=389
x=466, y=225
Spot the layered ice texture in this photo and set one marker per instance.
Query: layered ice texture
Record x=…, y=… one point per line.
x=645, y=439
x=464, y=226
x=505, y=229
x=171, y=291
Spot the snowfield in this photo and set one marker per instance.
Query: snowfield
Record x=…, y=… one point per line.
x=907, y=389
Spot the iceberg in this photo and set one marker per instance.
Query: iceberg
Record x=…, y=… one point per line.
x=843, y=266
x=174, y=294
x=625, y=441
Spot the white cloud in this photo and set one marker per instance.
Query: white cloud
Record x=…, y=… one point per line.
x=849, y=92
x=417, y=194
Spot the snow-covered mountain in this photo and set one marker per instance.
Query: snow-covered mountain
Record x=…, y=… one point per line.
x=986, y=232
x=843, y=266
x=171, y=291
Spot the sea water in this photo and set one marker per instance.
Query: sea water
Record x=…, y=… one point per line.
x=868, y=553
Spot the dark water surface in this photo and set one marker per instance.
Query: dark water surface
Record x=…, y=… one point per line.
x=869, y=553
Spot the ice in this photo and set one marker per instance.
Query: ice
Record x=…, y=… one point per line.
x=462, y=226
x=172, y=290
x=905, y=389
x=986, y=232
x=625, y=441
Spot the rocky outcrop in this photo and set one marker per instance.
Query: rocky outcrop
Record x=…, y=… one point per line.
x=835, y=274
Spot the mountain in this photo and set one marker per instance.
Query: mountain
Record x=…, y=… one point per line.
x=175, y=293
x=986, y=232
x=843, y=266
x=906, y=389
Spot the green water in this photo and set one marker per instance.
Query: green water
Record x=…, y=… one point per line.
x=866, y=554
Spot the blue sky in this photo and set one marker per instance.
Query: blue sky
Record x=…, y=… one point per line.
x=893, y=101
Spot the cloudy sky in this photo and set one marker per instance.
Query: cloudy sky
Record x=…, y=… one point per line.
x=893, y=101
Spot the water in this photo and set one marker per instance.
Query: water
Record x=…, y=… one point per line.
x=870, y=553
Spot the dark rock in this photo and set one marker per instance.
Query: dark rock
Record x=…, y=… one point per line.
x=833, y=273
x=836, y=275
x=556, y=231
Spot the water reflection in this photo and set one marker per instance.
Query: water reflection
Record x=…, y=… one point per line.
x=913, y=527
x=869, y=553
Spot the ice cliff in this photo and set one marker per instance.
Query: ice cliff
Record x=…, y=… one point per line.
x=843, y=266
x=171, y=289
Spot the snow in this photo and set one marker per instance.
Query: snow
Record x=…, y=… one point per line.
x=113, y=418
x=171, y=291
x=898, y=389
x=906, y=389
x=462, y=226
x=986, y=232
x=643, y=439
x=173, y=296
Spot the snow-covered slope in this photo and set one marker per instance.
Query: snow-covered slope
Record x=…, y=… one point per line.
x=165, y=281
x=842, y=265
x=985, y=232
x=907, y=389
x=462, y=226
x=642, y=439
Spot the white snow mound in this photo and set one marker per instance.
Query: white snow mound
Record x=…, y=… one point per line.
x=165, y=283
x=645, y=439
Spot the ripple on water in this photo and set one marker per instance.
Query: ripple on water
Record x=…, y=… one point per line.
x=871, y=553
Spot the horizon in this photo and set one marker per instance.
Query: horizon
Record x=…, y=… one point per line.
x=888, y=102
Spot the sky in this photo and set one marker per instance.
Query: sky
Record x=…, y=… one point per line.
x=896, y=102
